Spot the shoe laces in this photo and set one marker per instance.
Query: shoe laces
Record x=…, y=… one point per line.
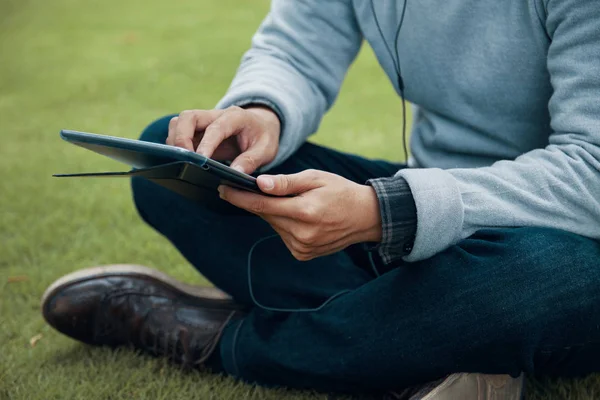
x=111, y=320
x=179, y=343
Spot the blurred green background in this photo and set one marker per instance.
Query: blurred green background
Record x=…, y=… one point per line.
x=111, y=67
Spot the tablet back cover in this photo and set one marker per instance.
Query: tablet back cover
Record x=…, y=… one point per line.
x=178, y=170
x=136, y=153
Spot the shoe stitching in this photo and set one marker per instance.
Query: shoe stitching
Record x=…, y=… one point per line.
x=100, y=331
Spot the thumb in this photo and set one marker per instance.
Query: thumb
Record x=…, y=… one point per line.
x=283, y=185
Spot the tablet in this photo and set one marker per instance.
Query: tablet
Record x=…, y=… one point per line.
x=146, y=155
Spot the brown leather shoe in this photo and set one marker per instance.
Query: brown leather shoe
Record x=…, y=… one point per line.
x=138, y=306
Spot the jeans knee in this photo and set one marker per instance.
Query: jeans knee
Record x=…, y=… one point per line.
x=548, y=243
x=564, y=264
x=142, y=196
x=158, y=130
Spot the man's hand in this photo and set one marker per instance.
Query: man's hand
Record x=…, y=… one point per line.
x=327, y=214
x=249, y=137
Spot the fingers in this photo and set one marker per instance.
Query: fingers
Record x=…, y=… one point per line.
x=224, y=134
x=172, y=127
x=257, y=203
x=282, y=185
x=183, y=128
x=259, y=154
x=230, y=122
x=302, y=252
x=305, y=241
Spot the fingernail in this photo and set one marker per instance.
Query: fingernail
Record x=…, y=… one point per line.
x=267, y=183
x=220, y=188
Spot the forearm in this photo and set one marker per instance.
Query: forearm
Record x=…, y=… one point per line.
x=291, y=69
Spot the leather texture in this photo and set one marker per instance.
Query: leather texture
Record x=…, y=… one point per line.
x=140, y=311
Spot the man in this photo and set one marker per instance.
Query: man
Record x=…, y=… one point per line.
x=482, y=256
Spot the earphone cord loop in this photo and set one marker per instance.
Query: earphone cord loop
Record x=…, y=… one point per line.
x=290, y=310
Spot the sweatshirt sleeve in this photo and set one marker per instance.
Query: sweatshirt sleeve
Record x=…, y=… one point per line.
x=296, y=65
x=557, y=186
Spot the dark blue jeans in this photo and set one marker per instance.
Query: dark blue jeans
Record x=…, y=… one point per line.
x=501, y=301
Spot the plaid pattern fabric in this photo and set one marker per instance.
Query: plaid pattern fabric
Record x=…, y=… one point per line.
x=398, y=217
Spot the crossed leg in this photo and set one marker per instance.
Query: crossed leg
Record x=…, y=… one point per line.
x=501, y=301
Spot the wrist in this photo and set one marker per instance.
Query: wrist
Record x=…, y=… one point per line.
x=268, y=115
x=369, y=228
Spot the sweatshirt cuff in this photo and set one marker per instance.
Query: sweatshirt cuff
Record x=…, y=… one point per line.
x=398, y=217
x=258, y=101
x=440, y=210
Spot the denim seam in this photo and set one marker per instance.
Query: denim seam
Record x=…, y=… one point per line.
x=236, y=370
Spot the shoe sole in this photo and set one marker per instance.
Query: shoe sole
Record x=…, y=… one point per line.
x=208, y=295
x=488, y=387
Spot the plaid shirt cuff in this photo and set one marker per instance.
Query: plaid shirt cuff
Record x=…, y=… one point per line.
x=398, y=217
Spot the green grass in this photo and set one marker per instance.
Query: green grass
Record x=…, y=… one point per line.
x=112, y=66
